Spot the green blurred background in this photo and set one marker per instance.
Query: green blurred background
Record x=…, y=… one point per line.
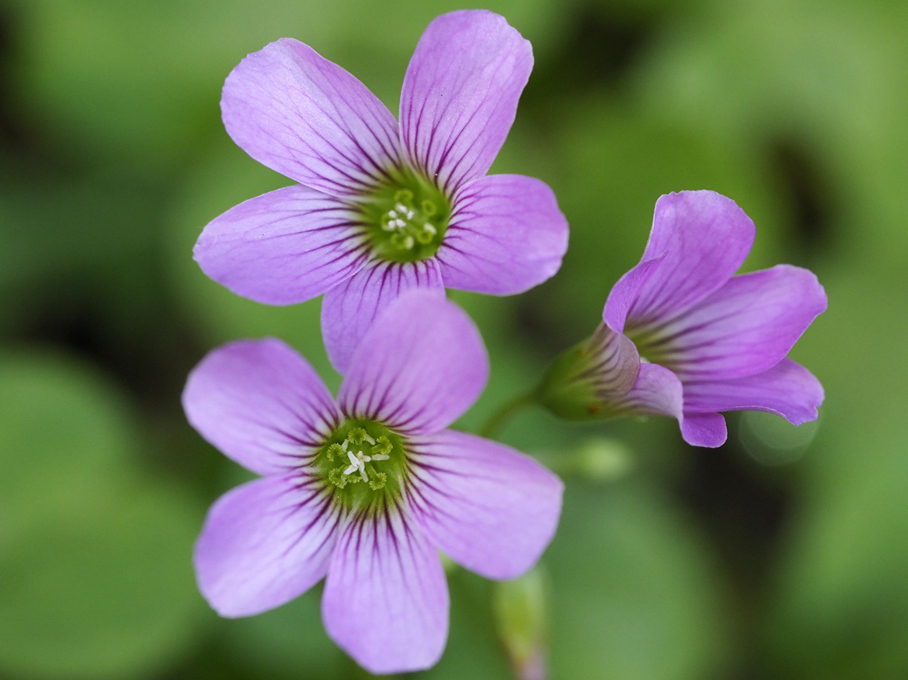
x=784, y=554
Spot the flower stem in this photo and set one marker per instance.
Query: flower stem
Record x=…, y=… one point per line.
x=502, y=415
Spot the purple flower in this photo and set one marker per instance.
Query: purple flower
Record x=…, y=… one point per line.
x=365, y=489
x=682, y=336
x=381, y=207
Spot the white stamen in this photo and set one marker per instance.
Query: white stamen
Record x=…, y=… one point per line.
x=356, y=463
x=380, y=456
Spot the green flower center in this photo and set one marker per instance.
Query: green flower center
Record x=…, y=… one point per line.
x=363, y=463
x=406, y=219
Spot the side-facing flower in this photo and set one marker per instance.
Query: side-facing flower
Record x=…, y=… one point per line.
x=365, y=489
x=683, y=336
x=382, y=207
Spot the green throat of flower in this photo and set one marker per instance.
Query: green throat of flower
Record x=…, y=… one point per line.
x=363, y=464
x=406, y=219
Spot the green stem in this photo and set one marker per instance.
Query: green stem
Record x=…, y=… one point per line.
x=503, y=414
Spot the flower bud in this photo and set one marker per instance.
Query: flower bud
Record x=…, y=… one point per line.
x=587, y=381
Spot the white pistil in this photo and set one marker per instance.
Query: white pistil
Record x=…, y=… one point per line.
x=353, y=446
x=358, y=462
x=403, y=221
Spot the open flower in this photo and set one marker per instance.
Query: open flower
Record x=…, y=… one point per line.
x=365, y=489
x=381, y=207
x=682, y=336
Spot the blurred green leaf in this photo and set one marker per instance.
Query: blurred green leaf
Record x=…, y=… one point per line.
x=287, y=641
x=94, y=556
x=73, y=225
x=634, y=593
x=473, y=650
x=144, y=79
x=840, y=610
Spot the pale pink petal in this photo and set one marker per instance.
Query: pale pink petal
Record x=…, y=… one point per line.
x=307, y=118
x=702, y=238
x=625, y=292
x=283, y=247
x=787, y=389
x=386, y=599
x=704, y=429
x=506, y=235
x=657, y=391
x=349, y=308
x=489, y=508
x=460, y=95
x=744, y=328
x=265, y=543
x=418, y=368
x=260, y=404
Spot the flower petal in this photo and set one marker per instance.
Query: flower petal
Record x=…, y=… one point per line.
x=299, y=114
x=626, y=291
x=617, y=363
x=283, y=247
x=386, y=599
x=787, y=389
x=460, y=94
x=489, y=508
x=349, y=308
x=703, y=237
x=506, y=235
x=418, y=368
x=704, y=429
x=657, y=391
x=265, y=543
x=259, y=403
x=744, y=328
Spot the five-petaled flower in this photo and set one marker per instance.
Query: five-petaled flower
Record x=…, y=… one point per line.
x=682, y=336
x=382, y=207
x=365, y=489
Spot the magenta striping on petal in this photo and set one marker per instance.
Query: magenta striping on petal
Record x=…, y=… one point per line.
x=386, y=600
x=411, y=201
x=367, y=490
x=297, y=113
x=490, y=215
x=349, y=308
x=495, y=518
x=460, y=94
x=708, y=341
x=255, y=248
x=261, y=404
x=719, y=332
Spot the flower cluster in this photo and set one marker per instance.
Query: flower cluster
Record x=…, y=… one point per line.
x=365, y=489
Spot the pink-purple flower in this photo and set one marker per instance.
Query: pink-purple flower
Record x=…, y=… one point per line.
x=683, y=336
x=382, y=207
x=365, y=489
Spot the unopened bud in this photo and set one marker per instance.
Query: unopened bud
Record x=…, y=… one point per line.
x=521, y=613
